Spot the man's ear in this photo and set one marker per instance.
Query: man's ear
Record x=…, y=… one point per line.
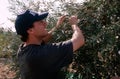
x=30, y=30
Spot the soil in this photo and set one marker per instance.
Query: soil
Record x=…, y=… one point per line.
x=5, y=70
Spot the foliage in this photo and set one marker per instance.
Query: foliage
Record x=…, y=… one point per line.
x=100, y=23
x=7, y=40
x=9, y=43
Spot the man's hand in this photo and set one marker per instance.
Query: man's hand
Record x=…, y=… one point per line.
x=60, y=21
x=73, y=20
x=49, y=36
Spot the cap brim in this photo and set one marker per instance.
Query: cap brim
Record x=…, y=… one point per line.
x=43, y=16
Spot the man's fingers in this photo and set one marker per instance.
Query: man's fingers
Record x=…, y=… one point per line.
x=62, y=17
x=73, y=17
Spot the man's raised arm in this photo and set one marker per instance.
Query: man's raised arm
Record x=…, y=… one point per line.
x=77, y=38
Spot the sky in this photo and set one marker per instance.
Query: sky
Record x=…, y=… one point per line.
x=5, y=14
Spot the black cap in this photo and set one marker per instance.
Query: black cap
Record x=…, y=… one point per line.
x=26, y=19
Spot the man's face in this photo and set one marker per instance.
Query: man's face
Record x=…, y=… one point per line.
x=39, y=29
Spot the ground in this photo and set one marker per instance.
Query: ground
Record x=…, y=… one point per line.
x=5, y=70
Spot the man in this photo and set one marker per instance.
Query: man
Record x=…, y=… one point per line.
x=37, y=59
